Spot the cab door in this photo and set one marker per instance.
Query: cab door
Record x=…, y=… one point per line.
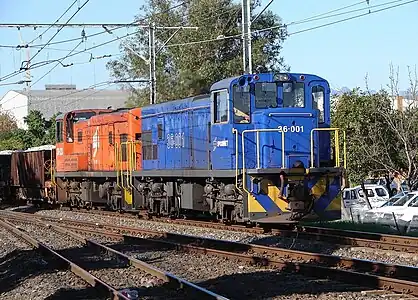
x=320, y=94
x=221, y=146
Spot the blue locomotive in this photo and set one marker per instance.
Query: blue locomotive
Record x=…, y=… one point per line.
x=258, y=148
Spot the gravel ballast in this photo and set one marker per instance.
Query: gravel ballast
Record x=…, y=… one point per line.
x=261, y=239
x=25, y=274
x=229, y=278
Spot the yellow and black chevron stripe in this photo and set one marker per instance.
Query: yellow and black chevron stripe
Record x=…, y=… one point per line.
x=327, y=204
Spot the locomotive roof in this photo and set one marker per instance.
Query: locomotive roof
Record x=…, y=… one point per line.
x=226, y=83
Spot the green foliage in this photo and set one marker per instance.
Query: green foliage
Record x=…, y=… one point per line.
x=187, y=70
x=379, y=138
x=39, y=132
x=7, y=122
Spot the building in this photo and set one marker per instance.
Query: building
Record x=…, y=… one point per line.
x=403, y=103
x=59, y=99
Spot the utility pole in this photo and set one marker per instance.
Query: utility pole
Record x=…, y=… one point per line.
x=246, y=36
x=152, y=72
x=152, y=53
x=246, y=33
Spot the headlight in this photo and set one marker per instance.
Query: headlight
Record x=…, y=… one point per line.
x=281, y=77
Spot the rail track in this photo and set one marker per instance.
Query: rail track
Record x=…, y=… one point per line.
x=84, y=257
x=320, y=234
x=397, y=278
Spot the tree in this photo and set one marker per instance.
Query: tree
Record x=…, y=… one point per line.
x=369, y=148
x=184, y=69
x=7, y=122
x=40, y=131
x=380, y=138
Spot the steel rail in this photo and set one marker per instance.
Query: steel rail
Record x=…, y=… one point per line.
x=335, y=236
x=399, y=271
x=402, y=241
x=347, y=276
x=168, y=278
x=74, y=268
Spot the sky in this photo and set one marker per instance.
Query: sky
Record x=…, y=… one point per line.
x=342, y=53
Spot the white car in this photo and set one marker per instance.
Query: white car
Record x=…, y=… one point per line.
x=354, y=197
x=406, y=214
x=373, y=215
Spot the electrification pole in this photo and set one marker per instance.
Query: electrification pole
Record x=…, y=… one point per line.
x=246, y=36
x=152, y=57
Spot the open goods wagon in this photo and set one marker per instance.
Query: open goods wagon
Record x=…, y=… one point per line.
x=27, y=175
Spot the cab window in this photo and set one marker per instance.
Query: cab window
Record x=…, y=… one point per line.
x=59, y=132
x=220, y=105
x=318, y=94
x=241, y=101
x=265, y=95
x=293, y=94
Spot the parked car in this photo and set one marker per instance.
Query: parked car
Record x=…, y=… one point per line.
x=373, y=215
x=355, y=198
x=351, y=198
x=395, y=198
x=376, y=194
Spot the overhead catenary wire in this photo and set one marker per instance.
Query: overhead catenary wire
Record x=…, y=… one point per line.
x=351, y=18
x=43, y=47
x=279, y=26
x=59, y=18
x=313, y=19
x=102, y=44
x=59, y=62
x=220, y=38
x=58, y=31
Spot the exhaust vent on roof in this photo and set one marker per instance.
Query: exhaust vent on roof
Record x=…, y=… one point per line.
x=60, y=87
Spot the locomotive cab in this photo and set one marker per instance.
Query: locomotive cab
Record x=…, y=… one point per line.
x=70, y=154
x=280, y=146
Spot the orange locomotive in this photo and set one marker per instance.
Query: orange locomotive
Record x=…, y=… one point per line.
x=93, y=144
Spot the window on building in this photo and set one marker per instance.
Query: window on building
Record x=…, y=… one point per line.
x=293, y=94
x=265, y=95
x=220, y=107
x=79, y=136
x=318, y=94
x=242, y=105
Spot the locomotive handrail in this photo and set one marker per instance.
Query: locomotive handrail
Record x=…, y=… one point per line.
x=337, y=145
x=235, y=131
x=52, y=168
x=125, y=185
x=257, y=131
x=117, y=164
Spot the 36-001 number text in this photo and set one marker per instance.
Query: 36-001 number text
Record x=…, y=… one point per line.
x=293, y=128
x=175, y=140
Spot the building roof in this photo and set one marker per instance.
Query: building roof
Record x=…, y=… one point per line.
x=64, y=98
